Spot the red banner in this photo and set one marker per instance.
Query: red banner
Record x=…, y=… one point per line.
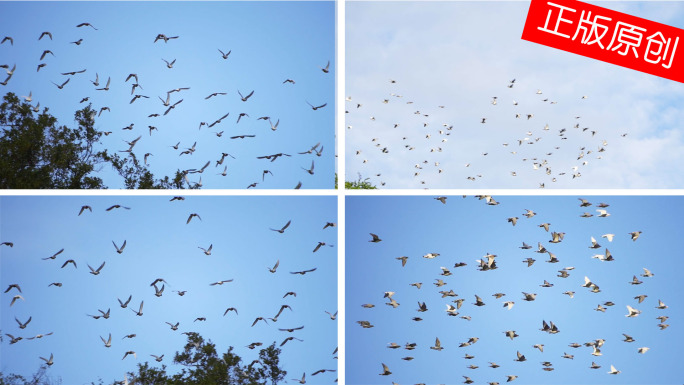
x=607, y=35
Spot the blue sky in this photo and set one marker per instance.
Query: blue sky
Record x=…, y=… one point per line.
x=159, y=244
x=269, y=43
x=462, y=54
x=465, y=229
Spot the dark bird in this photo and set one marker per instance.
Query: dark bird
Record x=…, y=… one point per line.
x=77, y=42
x=310, y=170
x=22, y=325
x=68, y=262
x=8, y=38
x=191, y=216
x=244, y=98
x=48, y=34
x=119, y=250
x=375, y=239
x=316, y=107
x=171, y=107
x=303, y=271
x=13, y=285
x=327, y=67
x=62, y=85
x=86, y=25
x=53, y=256
x=282, y=230
x=124, y=304
x=83, y=208
x=215, y=94
x=225, y=55
x=166, y=39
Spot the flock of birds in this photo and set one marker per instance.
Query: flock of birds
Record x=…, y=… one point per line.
x=387, y=311
x=230, y=114
x=393, y=130
x=271, y=317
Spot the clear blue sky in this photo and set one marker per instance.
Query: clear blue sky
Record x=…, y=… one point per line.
x=465, y=229
x=270, y=42
x=159, y=244
x=461, y=54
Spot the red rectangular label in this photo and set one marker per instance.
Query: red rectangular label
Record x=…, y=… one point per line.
x=607, y=35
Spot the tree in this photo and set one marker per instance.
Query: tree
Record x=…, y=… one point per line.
x=203, y=366
x=40, y=377
x=36, y=153
x=360, y=184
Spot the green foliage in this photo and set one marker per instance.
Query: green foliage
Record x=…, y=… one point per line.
x=36, y=153
x=360, y=184
x=203, y=366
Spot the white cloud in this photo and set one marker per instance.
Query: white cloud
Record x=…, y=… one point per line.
x=460, y=55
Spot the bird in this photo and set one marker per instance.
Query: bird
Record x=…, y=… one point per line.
x=375, y=239
x=310, y=170
x=77, y=42
x=124, y=304
x=96, y=272
x=613, y=370
x=139, y=313
x=632, y=312
x=230, y=309
x=438, y=345
x=244, y=98
x=130, y=352
x=520, y=358
x=158, y=292
x=83, y=208
x=158, y=358
x=327, y=67
x=13, y=286
x=282, y=230
x=208, y=250
x=193, y=215
x=119, y=250
x=106, y=87
x=62, y=85
x=166, y=39
x=259, y=319
x=273, y=269
x=635, y=235
x=169, y=64
x=107, y=343
x=290, y=330
x=86, y=25
x=46, y=33
x=225, y=55
x=303, y=271
x=68, y=262
x=49, y=362
x=23, y=325
x=661, y=305
x=220, y=282
x=316, y=107
x=8, y=38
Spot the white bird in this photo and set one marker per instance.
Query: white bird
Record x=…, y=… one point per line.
x=48, y=362
x=613, y=370
x=107, y=343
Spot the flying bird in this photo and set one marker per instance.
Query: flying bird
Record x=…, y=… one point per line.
x=375, y=239
x=282, y=230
